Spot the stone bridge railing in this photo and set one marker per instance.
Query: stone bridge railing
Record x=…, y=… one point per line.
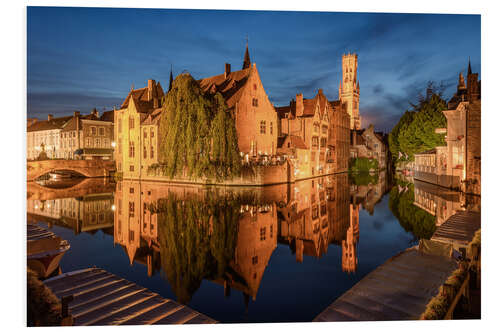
x=87, y=168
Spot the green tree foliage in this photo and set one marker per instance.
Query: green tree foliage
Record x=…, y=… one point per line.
x=412, y=218
x=363, y=178
x=198, y=133
x=197, y=239
x=415, y=131
x=363, y=164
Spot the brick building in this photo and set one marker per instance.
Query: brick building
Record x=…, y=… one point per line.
x=255, y=118
x=314, y=135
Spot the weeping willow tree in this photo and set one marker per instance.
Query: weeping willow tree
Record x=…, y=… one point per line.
x=197, y=240
x=198, y=134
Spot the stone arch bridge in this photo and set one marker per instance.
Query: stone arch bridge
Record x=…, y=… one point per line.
x=87, y=168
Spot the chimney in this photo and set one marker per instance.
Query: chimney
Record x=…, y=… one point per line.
x=151, y=86
x=320, y=91
x=299, y=109
x=227, y=70
x=95, y=112
x=76, y=113
x=49, y=117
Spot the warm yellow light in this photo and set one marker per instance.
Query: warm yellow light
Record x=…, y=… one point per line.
x=113, y=144
x=113, y=208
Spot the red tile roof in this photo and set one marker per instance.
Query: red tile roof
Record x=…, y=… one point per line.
x=295, y=142
x=230, y=86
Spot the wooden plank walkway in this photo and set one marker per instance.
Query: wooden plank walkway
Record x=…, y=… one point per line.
x=101, y=298
x=459, y=229
x=399, y=289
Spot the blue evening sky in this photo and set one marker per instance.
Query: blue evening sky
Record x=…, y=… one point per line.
x=80, y=58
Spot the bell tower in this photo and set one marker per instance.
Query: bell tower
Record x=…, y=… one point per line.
x=349, y=88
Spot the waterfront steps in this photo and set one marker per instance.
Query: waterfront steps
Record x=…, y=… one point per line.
x=102, y=298
x=399, y=289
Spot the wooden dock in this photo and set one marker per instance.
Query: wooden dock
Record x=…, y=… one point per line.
x=459, y=229
x=101, y=298
x=399, y=289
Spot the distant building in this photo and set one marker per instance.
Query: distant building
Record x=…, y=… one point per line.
x=88, y=137
x=370, y=144
x=349, y=89
x=458, y=164
x=44, y=135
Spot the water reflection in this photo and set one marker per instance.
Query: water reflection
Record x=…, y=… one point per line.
x=228, y=235
x=190, y=234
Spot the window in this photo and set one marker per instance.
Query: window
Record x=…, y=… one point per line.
x=324, y=129
x=131, y=209
x=119, y=125
x=131, y=235
x=271, y=231
x=152, y=151
x=255, y=102
x=145, y=134
x=263, y=127
x=315, y=142
x=152, y=135
x=145, y=152
x=255, y=260
x=93, y=131
x=316, y=128
x=101, y=131
x=131, y=190
x=88, y=142
x=131, y=168
x=263, y=233
x=131, y=150
x=131, y=123
x=74, y=134
x=106, y=143
x=271, y=127
x=144, y=208
x=254, y=87
x=323, y=142
x=97, y=142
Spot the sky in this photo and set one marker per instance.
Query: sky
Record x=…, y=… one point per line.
x=81, y=58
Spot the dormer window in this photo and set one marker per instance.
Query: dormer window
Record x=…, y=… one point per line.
x=255, y=102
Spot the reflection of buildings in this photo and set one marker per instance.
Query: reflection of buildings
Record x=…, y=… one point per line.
x=437, y=201
x=308, y=216
x=349, y=244
x=371, y=193
x=366, y=143
x=82, y=214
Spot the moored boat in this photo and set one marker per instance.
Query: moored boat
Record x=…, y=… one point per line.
x=44, y=250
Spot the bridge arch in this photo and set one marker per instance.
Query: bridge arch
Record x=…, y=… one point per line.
x=86, y=168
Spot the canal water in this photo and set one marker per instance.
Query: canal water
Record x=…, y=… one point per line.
x=261, y=254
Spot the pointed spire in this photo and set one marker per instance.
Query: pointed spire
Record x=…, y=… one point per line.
x=246, y=60
x=171, y=79
x=469, y=71
x=461, y=81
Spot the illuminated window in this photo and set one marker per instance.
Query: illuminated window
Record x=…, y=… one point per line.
x=263, y=127
x=152, y=151
x=131, y=190
x=131, y=123
x=101, y=131
x=255, y=102
x=145, y=152
x=131, y=168
x=131, y=209
x=131, y=151
x=271, y=127
x=262, y=234
x=152, y=135
x=255, y=260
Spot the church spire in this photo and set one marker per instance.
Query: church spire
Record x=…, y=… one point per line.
x=469, y=71
x=246, y=60
x=171, y=79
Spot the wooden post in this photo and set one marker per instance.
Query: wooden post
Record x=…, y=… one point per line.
x=67, y=319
